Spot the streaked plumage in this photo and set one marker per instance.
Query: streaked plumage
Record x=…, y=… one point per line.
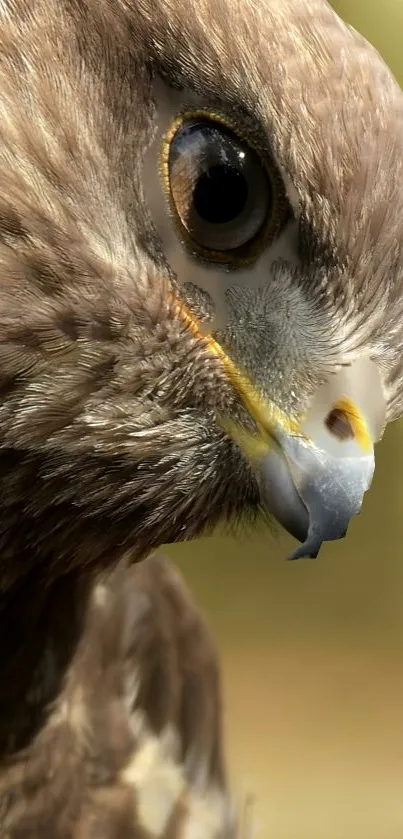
x=132, y=747
x=152, y=385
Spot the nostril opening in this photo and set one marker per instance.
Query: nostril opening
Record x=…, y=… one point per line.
x=337, y=422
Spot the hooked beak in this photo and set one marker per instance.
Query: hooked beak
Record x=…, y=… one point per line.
x=312, y=493
x=312, y=472
x=314, y=481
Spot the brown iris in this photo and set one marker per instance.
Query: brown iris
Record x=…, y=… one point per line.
x=225, y=199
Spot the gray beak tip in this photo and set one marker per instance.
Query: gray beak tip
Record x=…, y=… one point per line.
x=303, y=553
x=312, y=494
x=311, y=547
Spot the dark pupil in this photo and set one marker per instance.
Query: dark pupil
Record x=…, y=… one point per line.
x=220, y=194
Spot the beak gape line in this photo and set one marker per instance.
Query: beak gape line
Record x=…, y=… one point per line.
x=313, y=471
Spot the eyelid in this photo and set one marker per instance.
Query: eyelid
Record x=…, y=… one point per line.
x=247, y=253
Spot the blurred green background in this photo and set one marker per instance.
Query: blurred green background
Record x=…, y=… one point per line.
x=312, y=652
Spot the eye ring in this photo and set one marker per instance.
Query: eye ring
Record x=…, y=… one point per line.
x=278, y=211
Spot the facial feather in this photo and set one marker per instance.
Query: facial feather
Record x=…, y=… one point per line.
x=109, y=434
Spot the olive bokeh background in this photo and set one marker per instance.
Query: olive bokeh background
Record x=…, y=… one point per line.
x=312, y=651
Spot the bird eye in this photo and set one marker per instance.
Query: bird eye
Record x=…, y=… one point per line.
x=226, y=200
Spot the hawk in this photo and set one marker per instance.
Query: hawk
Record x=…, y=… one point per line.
x=201, y=317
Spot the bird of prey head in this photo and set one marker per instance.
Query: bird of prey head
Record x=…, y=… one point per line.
x=201, y=250
x=201, y=303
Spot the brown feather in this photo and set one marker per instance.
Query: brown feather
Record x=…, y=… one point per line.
x=133, y=744
x=110, y=443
